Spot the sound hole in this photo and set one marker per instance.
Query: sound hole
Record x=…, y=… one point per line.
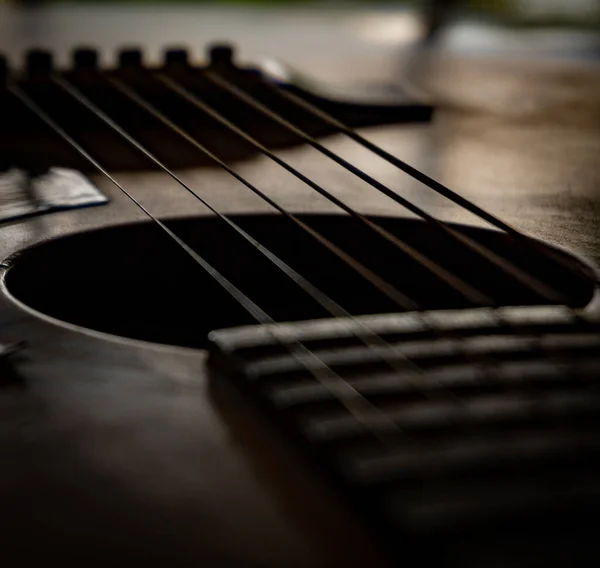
x=132, y=281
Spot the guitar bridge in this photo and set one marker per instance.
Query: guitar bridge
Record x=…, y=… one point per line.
x=86, y=74
x=448, y=427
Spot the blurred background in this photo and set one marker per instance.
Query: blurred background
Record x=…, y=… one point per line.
x=370, y=30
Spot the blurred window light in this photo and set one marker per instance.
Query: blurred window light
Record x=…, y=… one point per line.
x=394, y=29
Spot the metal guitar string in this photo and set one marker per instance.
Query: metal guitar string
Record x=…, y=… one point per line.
x=545, y=291
x=367, y=335
x=425, y=180
x=309, y=288
x=532, y=282
x=527, y=279
x=382, y=285
x=360, y=407
x=335, y=310
x=368, y=414
x=323, y=373
x=418, y=175
x=202, y=105
x=371, y=338
x=466, y=290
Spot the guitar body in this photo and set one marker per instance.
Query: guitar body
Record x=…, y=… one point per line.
x=117, y=450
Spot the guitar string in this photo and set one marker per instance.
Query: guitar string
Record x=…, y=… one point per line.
x=390, y=291
x=419, y=175
x=380, y=340
x=196, y=257
x=338, y=314
x=478, y=360
x=435, y=186
x=471, y=294
x=147, y=106
x=373, y=336
x=121, y=86
x=387, y=420
x=202, y=105
x=401, y=299
x=527, y=279
x=369, y=415
x=440, y=189
x=139, y=100
x=445, y=191
x=384, y=427
x=369, y=336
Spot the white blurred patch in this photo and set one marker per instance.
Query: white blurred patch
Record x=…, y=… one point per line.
x=59, y=188
x=390, y=28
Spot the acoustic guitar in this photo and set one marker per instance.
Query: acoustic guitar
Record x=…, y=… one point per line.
x=281, y=342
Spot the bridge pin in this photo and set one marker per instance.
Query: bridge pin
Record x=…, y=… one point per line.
x=85, y=58
x=39, y=62
x=130, y=57
x=221, y=55
x=176, y=56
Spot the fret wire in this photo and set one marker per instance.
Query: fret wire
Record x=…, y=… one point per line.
x=370, y=338
x=470, y=293
x=420, y=176
x=360, y=407
x=536, y=285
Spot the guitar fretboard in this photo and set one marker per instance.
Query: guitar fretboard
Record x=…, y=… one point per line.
x=474, y=432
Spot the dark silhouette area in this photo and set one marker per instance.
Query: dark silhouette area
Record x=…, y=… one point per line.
x=436, y=14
